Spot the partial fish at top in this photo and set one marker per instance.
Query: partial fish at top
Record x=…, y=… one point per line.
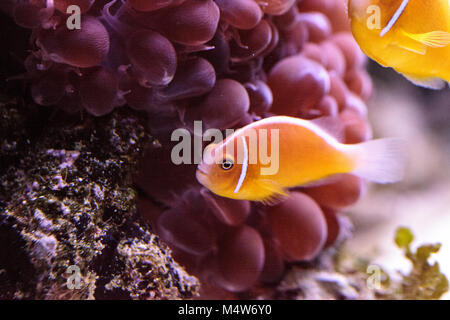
x=411, y=36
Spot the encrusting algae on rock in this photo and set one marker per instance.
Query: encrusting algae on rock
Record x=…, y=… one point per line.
x=67, y=204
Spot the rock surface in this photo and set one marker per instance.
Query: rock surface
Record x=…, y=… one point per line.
x=67, y=210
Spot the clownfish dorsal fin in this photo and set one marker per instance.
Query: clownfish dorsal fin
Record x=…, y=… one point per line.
x=433, y=39
x=276, y=192
x=332, y=126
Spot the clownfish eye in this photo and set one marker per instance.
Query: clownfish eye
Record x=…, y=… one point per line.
x=227, y=164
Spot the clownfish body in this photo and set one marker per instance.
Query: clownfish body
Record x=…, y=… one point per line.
x=261, y=160
x=411, y=36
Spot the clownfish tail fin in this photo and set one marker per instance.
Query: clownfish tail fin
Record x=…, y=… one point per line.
x=381, y=161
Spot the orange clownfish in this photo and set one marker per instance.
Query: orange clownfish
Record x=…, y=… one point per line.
x=261, y=160
x=411, y=36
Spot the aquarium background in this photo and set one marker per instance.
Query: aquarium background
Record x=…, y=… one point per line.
x=422, y=201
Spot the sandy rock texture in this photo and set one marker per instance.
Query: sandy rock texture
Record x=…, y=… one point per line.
x=67, y=210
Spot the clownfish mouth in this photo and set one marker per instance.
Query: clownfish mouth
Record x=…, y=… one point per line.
x=201, y=176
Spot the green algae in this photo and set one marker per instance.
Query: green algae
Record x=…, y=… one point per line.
x=425, y=281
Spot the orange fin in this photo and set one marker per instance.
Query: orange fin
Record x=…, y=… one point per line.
x=382, y=160
x=433, y=39
x=429, y=83
x=331, y=125
x=410, y=45
x=274, y=190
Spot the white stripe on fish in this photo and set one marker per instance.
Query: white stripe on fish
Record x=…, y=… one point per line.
x=244, y=166
x=394, y=19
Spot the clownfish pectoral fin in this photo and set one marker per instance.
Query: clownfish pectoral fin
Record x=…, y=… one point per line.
x=429, y=83
x=433, y=39
x=275, y=192
x=273, y=199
